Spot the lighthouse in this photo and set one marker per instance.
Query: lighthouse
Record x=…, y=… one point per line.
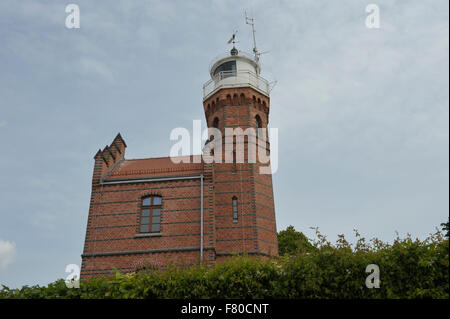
x=236, y=98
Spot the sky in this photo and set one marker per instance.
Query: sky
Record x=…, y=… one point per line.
x=362, y=113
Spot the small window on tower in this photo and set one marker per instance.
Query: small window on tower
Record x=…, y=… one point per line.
x=151, y=214
x=258, y=121
x=235, y=210
x=216, y=122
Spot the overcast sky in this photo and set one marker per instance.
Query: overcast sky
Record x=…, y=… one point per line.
x=362, y=113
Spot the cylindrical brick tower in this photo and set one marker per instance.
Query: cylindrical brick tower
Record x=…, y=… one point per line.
x=238, y=98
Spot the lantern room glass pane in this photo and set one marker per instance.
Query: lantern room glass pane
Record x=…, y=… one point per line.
x=229, y=66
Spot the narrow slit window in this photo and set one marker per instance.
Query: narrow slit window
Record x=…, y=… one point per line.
x=216, y=123
x=258, y=121
x=235, y=209
x=151, y=214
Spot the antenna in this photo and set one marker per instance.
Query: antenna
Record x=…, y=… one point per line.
x=251, y=21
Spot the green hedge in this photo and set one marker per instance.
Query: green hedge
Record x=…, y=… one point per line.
x=408, y=269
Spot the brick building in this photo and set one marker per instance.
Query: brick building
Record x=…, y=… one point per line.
x=154, y=211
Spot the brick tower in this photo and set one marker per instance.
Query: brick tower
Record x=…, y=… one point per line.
x=237, y=98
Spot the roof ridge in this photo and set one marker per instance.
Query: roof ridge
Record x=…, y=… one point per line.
x=149, y=158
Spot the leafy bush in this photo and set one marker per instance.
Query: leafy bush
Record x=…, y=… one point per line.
x=292, y=242
x=408, y=269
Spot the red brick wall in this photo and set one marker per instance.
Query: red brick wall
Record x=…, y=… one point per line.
x=113, y=224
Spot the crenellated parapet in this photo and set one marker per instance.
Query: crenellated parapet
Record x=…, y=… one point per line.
x=236, y=96
x=107, y=158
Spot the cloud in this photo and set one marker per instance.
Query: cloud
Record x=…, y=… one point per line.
x=3, y=123
x=7, y=253
x=92, y=66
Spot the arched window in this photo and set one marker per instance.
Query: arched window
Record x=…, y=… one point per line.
x=258, y=121
x=235, y=209
x=216, y=122
x=242, y=98
x=151, y=214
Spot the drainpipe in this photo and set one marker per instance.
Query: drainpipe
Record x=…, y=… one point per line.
x=201, y=218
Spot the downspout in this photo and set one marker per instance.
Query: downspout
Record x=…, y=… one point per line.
x=201, y=218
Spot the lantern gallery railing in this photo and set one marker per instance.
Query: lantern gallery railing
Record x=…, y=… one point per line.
x=226, y=79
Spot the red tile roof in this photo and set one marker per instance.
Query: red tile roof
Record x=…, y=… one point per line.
x=159, y=166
